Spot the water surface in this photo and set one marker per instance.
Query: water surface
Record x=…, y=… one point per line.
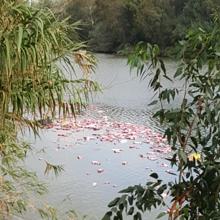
x=125, y=98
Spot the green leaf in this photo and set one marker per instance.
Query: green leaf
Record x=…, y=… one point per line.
x=130, y=189
x=163, y=66
x=114, y=202
x=194, y=141
x=138, y=216
x=183, y=155
x=153, y=103
x=178, y=72
x=107, y=216
x=130, y=200
x=131, y=211
x=162, y=214
x=154, y=175
x=19, y=39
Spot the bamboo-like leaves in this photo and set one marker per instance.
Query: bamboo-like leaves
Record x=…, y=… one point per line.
x=35, y=54
x=33, y=44
x=57, y=169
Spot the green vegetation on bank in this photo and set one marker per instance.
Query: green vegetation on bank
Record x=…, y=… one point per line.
x=110, y=26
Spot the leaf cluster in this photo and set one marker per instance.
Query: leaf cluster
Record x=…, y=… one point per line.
x=191, y=118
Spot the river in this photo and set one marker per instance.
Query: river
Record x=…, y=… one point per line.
x=80, y=187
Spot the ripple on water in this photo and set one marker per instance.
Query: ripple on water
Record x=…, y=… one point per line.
x=123, y=114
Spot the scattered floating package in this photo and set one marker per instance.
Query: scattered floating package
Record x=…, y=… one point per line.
x=120, y=134
x=115, y=132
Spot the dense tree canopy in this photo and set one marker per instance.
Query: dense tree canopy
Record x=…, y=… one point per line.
x=109, y=26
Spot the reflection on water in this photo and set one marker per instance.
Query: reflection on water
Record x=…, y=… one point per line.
x=81, y=187
x=122, y=87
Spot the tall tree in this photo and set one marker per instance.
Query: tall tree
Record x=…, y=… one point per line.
x=108, y=33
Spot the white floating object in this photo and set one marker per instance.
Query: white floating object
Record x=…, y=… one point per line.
x=100, y=170
x=100, y=111
x=105, y=118
x=164, y=165
x=95, y=162
x=86, y=138
x=152, y=158
x=94, y=184
x=123, y=141
x=79, y=157
x=137, y=142
x=116, y=150
x=170, y=172
x=124, y=162
x=132, y=147
x=164, y=195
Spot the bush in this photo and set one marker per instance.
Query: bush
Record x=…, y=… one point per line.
x=192, y=130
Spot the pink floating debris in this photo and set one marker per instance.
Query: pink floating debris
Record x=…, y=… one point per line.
x=152, y=158
x=104, y=130
x=100, y=170
x=49, y=126
x=131, y=137
x=95, y=162
x=88, y=138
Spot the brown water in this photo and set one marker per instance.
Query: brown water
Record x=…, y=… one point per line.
x=124, y=98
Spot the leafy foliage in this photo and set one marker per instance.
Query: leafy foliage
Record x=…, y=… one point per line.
x=37, y=80
x=109, y=26
x=136, y=200
x=192, y=129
